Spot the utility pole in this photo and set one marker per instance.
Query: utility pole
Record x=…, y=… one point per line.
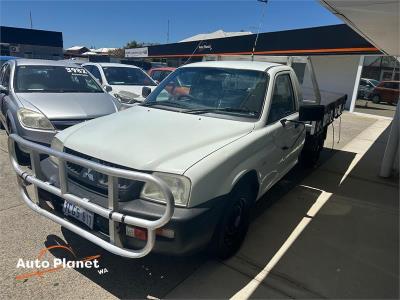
x=168, y=32
x=259, y=28
x=30, y=17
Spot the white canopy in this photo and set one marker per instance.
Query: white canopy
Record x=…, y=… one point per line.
x=376, y=20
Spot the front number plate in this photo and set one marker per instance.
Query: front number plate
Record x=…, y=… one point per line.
x=78, y=213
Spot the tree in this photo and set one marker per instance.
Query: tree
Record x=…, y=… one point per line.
x=133, y=44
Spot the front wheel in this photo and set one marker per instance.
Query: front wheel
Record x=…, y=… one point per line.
x=376, y=99
x=232, y=229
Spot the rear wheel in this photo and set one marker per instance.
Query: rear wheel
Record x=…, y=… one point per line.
x=232, y=229
x=313, y=146
x=376, y=99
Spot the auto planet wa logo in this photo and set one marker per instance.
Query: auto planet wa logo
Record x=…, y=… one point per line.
x=41, y=266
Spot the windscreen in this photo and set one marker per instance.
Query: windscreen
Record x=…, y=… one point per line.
x=127, y=76
x=215, y=90
x=54, y=79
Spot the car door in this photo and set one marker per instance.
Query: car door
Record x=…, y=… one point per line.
x=284, y=106
x=280, y=144
x=386, y=92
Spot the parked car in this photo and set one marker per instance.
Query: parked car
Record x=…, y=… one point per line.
x=386, y=91
x=159, y=74
x=39, y=98
x=124, y=82
x=183, y=169
x=366, y=87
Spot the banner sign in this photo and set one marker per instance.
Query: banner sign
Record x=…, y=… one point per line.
x=137, y=52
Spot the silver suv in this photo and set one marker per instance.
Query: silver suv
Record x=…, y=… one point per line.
x=38, y=98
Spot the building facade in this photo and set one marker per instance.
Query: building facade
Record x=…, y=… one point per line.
x=31, y=43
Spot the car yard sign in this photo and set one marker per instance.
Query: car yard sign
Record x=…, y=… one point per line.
x=137, y=52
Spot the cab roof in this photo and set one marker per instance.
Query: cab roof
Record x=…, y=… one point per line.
x=244, y=65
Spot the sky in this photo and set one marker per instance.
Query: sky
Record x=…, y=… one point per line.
x=114, y=23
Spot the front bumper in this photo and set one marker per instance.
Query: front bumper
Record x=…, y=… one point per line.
x=116, y=220
x=193, y=227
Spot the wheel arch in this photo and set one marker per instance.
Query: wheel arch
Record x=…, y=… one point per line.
x=248, y=177
x=10, y=122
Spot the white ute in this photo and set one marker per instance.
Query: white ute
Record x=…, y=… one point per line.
x=182, y=170
x=124, y=82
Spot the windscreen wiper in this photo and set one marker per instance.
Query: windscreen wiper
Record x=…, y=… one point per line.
x=162, y=103
x=221, y=109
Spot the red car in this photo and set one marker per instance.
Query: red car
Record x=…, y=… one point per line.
x=158, y=74
x=386, y=91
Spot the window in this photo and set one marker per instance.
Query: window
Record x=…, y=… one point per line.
x=5, y=76
x=221, y=91
x=283, y=102
x=89, y=68
x=56, y=79
x=96, y=73
x=156, y=75
x=391, y=85
x=127, y=76
x=3, y=68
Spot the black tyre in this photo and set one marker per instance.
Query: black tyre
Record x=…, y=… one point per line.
x=376, y=99
x=231, y=230
x=311, y=151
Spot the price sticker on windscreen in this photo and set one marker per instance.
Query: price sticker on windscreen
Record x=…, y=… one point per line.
x=76, y=71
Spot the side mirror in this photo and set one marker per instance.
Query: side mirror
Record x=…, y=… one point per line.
x=146, y=91
x=283, y=122
x=3, y=90
x=107, y=88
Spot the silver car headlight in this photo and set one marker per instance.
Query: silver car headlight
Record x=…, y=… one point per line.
x=179, y=185
x=33, y=119
x=56, y=144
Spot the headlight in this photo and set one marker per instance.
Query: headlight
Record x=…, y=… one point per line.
x=34, y=119
x=179, y=185
x=56, y=144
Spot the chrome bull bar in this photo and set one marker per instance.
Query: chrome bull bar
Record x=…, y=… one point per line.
x=111, y=213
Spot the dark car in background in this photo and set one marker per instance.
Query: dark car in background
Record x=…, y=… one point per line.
x=386, y=91
x=366, y=87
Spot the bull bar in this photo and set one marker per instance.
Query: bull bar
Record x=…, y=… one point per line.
x=114, y=245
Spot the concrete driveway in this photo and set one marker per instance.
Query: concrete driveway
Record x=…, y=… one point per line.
x=329, y=232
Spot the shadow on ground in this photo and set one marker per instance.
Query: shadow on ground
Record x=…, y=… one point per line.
x=350, y=249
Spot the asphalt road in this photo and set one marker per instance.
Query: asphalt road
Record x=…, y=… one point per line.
x=350, y=249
